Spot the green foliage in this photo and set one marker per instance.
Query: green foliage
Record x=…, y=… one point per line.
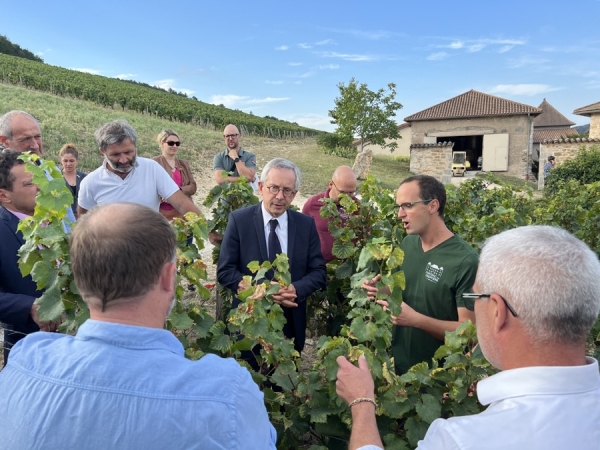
x=139, y=97
x=334, y=144
x=8, y=48
x=584, y=168
x=366, y=114
x=476, y=210
x=576, y=208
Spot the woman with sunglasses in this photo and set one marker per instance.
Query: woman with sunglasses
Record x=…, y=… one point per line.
x=179, y=169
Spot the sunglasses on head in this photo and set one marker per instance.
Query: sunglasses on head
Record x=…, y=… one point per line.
x=173, y=143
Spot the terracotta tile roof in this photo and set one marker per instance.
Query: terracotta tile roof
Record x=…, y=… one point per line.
x=403, y=125
x=556, y=133
x=551, y=117
x=588, y=110
x=473, y=104
x=570, y=140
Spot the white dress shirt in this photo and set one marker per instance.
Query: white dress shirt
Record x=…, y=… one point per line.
x=281, y=231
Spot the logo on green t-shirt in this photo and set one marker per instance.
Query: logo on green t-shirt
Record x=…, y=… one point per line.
x=433, y=272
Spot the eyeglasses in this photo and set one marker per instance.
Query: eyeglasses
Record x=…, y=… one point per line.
x=348, y=193
x=173, y=143
x=409, y=205
x=229, y=136
x=287, y=192
x=469, y=299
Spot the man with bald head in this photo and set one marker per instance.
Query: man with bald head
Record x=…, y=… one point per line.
x=234, y=161
x=20, y=132
x=123, y=382
x=343, y=181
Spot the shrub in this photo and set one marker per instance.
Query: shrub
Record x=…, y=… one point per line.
x=334, y=144
x=585, y=168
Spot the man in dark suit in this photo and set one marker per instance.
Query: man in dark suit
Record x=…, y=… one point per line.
x=248, y=238
x=17, y=293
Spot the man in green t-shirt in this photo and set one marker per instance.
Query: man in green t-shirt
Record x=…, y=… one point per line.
x=438, y=267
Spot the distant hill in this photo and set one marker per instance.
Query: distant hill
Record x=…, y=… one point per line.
x=583, y=129
x=8, y=48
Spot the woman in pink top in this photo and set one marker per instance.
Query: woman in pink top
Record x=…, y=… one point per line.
x=179, y=169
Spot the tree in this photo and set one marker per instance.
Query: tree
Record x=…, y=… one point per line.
x=366, y=114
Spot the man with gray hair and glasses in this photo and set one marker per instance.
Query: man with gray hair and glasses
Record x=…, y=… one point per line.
x=536, y=298
x=125, y=177
x=260, y=232
x=123, y=381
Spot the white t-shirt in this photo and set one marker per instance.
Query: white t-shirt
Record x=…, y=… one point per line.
x=145, y=185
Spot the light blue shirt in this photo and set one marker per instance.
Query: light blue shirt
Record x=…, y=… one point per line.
x=116, y=387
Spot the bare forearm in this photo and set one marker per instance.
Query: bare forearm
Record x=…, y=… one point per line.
x=437, y=328
x=244, y=171
x=364, y=426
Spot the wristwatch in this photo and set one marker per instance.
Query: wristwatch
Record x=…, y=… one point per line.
x=236, y=160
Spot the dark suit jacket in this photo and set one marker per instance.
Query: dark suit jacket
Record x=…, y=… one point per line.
x=244, y=241
x=17, y=293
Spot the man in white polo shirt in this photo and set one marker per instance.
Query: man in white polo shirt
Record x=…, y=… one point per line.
x=125, y=177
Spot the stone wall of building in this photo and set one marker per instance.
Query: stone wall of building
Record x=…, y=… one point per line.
x=562, y=150
x=517, y=127
x=595, y=126
x=432, y=159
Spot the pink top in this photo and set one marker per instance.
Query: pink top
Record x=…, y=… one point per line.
x=178, y=180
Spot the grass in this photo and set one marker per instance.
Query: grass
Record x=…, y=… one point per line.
x=510, y=180
x=66, y=120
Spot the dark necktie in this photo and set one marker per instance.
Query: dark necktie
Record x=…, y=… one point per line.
x=274, y=245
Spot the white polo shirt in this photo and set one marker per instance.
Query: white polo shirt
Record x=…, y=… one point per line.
x=146, y=184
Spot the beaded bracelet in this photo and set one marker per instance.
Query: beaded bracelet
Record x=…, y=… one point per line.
x=361, y=400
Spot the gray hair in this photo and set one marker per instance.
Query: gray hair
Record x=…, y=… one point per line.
x=550, y=277
x=115, y=132
x=6, y=121
x=281, y=163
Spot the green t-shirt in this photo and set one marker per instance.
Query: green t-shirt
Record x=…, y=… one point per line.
x=435, y=282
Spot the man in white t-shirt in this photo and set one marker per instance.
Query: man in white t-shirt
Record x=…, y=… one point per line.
x=125, y=177
x=537, y=296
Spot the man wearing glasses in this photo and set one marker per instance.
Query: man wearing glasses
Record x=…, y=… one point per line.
x=439, y=267
x=259, y=232
x=343, y=181
x=234, y=161
x=537, y=296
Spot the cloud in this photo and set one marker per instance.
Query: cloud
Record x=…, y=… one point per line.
x=294, y=64
x=528, y=90
x=506, y=48
x=455, y=45
x=439, y=56
x=349, y=56
x=125, y=76
x=329, y=67
x=517, y=63
x=260, y=101
x=325, y=42
x=228, y=100
x=282, y=47
x=274, y=82
x=86, y=70
x=169, y=83
x=308, y=74
x=475, y=48
x=231, y=100
x=365, y=34
x=304, y=45
x=315, y=121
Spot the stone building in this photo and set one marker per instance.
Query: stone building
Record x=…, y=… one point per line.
x=593, y=112
x=403, y=148
x=550, y=125
x=498, y=130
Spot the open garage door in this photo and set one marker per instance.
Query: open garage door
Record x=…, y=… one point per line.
x=495, y=152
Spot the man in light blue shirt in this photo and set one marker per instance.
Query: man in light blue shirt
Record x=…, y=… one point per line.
x=122, y=382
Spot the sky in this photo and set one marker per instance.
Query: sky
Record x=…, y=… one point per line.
x=285, y=59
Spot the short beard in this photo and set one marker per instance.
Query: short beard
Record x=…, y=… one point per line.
x=121, y=169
